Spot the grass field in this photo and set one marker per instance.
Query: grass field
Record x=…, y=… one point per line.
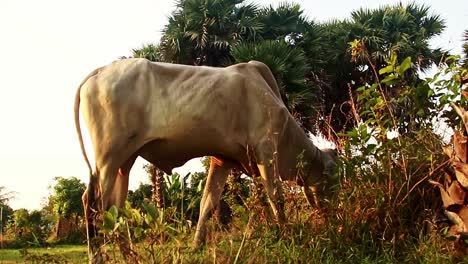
x=56, y=254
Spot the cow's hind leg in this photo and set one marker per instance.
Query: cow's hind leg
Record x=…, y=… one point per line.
x=92, y=206
x=107, y=187
x=217, y=176
x=119, y=192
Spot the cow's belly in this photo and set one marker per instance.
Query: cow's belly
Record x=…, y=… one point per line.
x=168, y=154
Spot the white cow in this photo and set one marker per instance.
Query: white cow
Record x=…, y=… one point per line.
x=169, y=114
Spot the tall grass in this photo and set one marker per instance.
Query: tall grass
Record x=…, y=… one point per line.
x=383, y=210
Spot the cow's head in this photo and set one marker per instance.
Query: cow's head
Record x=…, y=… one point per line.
x=330, y=164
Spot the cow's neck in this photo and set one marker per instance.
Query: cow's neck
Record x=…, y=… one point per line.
x=298, y=155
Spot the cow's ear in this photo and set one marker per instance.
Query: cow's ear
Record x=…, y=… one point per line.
x=329, y=167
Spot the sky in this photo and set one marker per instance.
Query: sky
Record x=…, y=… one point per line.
x=47, y=47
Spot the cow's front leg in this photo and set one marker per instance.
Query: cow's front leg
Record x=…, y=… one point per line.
x=310, y=193
x=217, y=176
x=119, y=196
x=267, y=166
x=274, y=191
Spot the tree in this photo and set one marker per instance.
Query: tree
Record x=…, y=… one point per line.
x=401, y=29
x=28, y=228
x=6, y=211
x=288, y=65
x=312, y=62
x=156, y=177
x=202, y=32
x=137, y=197
x=286, y=22
x=66, y=202
x=465, y=49
x=5, y=196
x=150, y=52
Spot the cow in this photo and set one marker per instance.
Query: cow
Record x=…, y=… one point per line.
x=170, y=113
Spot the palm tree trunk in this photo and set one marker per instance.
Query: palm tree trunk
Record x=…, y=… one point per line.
x=157, y=182
x=158, y=189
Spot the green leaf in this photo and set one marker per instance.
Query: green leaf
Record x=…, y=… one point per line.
x=151, y=212
x=387, y=69
x=362, y=88
x=108, y=221
x=114, y=211
x=389, y=79
x=136, y=216
x=430, y=92
x=404, y=66
x=137, y=232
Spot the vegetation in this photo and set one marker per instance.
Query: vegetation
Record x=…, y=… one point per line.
x=355, y=80
x=465, y=49
x=67, y=207
x=385, y=211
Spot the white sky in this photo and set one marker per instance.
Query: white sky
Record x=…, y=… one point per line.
x=47, y=47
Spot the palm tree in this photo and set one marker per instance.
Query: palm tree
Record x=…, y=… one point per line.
x=289, y=45
x=5, y=196
x=202, y=32
x=156, y=177
x=320, y=74
x=402, y=29
x=465, y=49
x=288, y=65
x=287, y=21
x=151, y=52
x=5, y=210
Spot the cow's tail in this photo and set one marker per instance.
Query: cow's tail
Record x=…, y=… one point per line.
x=89, y=197
x=77, y=119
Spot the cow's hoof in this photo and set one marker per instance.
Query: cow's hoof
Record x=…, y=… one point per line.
x=198, y=243
x=96, y=260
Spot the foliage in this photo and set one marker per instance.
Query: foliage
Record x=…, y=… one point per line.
x=182, y=195
x=448, y=89
x=398, y=29
x=453, y=191
x=465, y=49
x=66, y=204
x=201, y=32
x=66, y=196
x=361, y=74
x=286, y=22
x=183, y=198
x=311, y=61
x=149, y=51
x=141, y=194
x=27, y=229
x=7, y=213
x=288, y=64
x=385, y=176
x=5, y=196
